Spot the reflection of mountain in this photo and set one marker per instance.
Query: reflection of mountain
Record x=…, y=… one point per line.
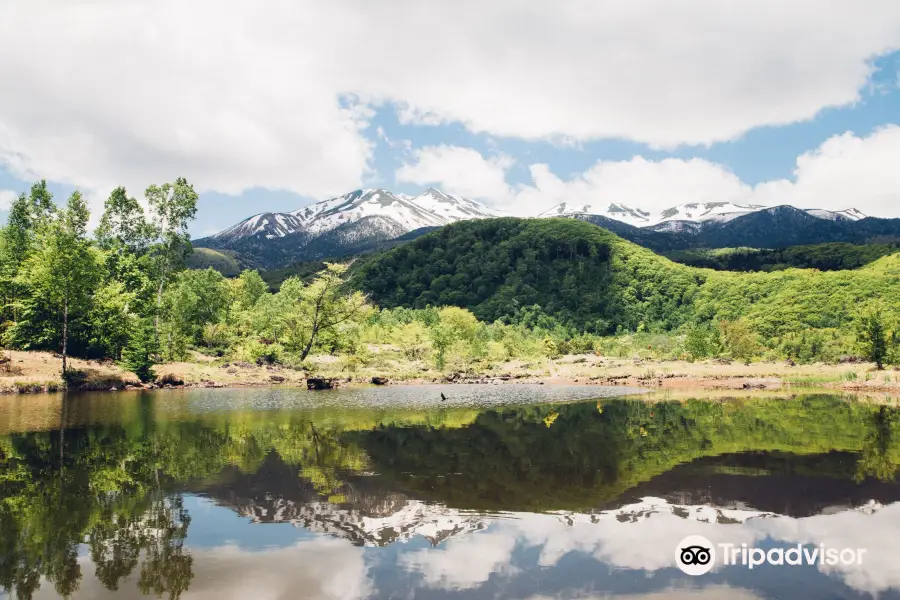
x=724, y=489
x=796, y=486
x=362, y=511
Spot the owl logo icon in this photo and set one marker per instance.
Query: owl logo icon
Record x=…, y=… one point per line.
x=695, y=555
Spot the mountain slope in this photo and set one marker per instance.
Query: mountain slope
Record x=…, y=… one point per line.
x=589, y=278
x=776, y=227
x=702, y=211
x=203, y=258
x=783, y=226
x=349, y=224
x=597, y=280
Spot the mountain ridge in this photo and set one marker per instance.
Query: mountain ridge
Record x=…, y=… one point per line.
x=352, y=223
x=365, y=220
x=690, y=212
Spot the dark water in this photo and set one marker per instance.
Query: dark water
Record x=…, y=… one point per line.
x=499, y=492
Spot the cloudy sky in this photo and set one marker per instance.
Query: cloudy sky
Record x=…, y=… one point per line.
x=519, y=103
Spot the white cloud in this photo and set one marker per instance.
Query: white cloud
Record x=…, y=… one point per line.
x=876, y=533
x=711, y=592
x=144, y=92
x=647, y=543
x=457, y=170
x=319, y=569
x=234, y=95
x=641, y=183
x=846, y=171
x=6, y=199
x=464, y=563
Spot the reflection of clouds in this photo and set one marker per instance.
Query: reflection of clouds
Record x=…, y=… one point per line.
x=713, y=592
x=643, y=537
x=320, y=569
x=464, y=562
x=638, y=536
x=878, y=532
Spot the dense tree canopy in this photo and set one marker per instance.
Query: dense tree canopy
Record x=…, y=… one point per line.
x=825, y=257
x=583, y=275
x=572, y=269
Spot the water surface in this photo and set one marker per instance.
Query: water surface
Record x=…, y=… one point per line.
x=497, y=492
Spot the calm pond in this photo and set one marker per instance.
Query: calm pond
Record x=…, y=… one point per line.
x=497, y=492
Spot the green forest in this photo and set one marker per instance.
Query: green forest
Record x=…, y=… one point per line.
x=836, y=256
x=465, y=297
x=585, y=278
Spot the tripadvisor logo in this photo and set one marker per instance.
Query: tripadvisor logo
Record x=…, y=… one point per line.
x=696, y=555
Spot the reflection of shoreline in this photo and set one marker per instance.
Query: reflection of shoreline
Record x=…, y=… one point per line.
x=44, y=412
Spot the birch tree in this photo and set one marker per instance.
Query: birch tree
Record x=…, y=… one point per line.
x=63, y=270
x=319, y=307
x=172, y=207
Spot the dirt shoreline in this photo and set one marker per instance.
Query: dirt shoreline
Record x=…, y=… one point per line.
x=36, y=372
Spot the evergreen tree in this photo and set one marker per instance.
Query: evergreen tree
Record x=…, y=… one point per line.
x=872, y=335
x=139, y=355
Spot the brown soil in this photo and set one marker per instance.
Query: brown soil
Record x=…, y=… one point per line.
x=25, y=372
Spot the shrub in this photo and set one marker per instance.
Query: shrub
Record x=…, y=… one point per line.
x=701, y=342
x=215, y=335
x=255, y=351
x=413, y=340
x=738, y=340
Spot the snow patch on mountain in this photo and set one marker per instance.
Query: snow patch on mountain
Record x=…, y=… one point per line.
x=702, y=211
x=613, y=210
x=453, y=208
x=848, y=214
x=684, y=217
x=269, y=225
x=387, y=213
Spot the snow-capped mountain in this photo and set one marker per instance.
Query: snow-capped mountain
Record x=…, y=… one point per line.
x=374, y=219
x=453, y=208
x=703, y=211
x=269, y=225
x=683, y=217
x=362, y=218
x=619, y=212
x=397, y=213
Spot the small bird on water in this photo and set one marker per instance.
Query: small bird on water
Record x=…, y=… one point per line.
x=443, y=397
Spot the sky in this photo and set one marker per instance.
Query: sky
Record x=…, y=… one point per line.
x=520, y=104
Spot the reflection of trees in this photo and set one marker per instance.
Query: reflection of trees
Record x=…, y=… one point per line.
x=166, y=568
x=112, y=488
x=508, y=459
x=879, y=453
x=96, y=487
x=158, y=533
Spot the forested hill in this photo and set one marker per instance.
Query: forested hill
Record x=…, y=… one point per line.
x=592, y=279
x=837, y=256
x=570, y=268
